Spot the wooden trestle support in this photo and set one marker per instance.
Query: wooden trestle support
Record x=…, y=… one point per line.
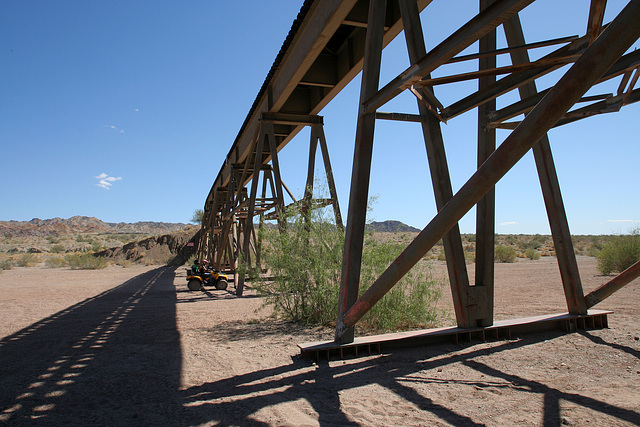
x=330, y=43
x=228, y=231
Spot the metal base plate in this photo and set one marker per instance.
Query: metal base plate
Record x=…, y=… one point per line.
x=505, y=329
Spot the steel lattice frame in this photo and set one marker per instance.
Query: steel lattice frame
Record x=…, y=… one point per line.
x=332, y=41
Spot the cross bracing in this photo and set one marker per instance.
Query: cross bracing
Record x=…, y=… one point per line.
x=333, y=41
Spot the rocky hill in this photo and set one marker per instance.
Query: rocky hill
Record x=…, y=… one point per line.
x=82, y=224
x=171, y=248
x=391, y=226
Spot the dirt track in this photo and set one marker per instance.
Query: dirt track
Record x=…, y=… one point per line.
x=134, y=347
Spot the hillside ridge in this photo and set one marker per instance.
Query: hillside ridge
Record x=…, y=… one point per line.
x=82, y=224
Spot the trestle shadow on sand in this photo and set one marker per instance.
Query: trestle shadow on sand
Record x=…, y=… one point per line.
x=235, y=400
x=116, y=359
x=113, y=359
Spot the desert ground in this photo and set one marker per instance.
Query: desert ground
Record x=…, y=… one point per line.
x=132, y=346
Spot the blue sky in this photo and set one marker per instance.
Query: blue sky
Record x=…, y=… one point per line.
x=105, y=104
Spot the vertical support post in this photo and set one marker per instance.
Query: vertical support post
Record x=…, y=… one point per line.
x=273, y=149
x=359, y=193
x=486, y=208
x=319, y=132
x=441, y=180
x=257, y=162
x=235, y=238
x=308, y=188
x=550, y=185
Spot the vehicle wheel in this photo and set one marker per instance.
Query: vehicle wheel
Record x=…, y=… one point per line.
x=221, y=284
x=195, y=285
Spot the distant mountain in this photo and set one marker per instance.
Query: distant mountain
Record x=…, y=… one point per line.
x=391, y=227
x=82, y=224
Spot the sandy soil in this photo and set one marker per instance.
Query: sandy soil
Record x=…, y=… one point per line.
x=134, y=347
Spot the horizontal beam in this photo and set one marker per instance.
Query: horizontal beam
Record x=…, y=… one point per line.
x=507, y=69
x=402, y=117
x=506, y=50
x=291, y=119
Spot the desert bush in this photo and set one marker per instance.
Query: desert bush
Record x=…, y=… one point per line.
x=6, y=264
x=124, y=263
x=620, y=253
x=505, y=253
x=56, y=249
x=409, y=304
x=85, y=261
x=55, y=262
x=306, y=264
x=532, y=254
x=27, y=260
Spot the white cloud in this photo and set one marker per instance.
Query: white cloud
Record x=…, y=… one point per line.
x=622, y=220
x=508, y=223
x=117, y=129
x=136, y=109
x=105, y=181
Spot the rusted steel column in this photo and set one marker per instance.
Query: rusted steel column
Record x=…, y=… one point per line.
x=356, y=218
x=308, y=189
x=617, y=283
x=246, y=249
x=319, y=130
x=440, y=178
x=550, y=185
x=597, y=59
x=486, y=208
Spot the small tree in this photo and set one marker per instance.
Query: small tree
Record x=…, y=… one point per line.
x=620, y=253
x=532, y=254
x=506, y=253
x=306, y=264
x=198, y=216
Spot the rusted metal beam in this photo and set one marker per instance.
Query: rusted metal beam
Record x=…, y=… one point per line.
x=617, y=283
x=402, y=117
x=496, y=71
x=361, y=171
x=624, y=66
x=511, y=82
x=486, y=208
x=495, y=52
x=487, y=20
x=596, y=15
x=551, y=193
x=598, y=58
x=439, y=169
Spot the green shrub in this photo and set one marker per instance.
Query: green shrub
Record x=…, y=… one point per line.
x=620, y=253
x=306, y=264
x=27, y=260
x=6, y=264
x=56, y=249
x=532, y=254
x=85, y=261
x=124, y=263
x=55, y=262
x=410, y=304
x=505, y=253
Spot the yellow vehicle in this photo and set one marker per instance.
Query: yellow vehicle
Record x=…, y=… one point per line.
x=197, y=282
